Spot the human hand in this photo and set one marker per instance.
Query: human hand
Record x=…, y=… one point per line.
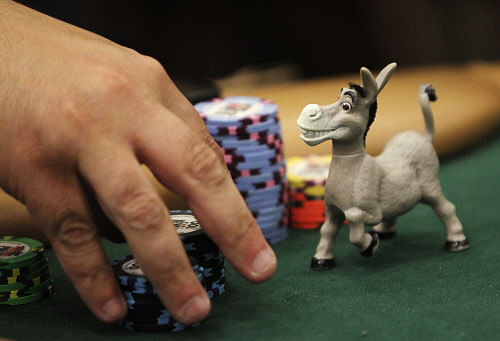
x=78, y=110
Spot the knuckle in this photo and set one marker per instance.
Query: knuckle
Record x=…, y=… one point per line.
x=73, y=231
x=152, y=65
x=140, y=210
x=214, y=146
x=113, y=81
x=205, y=165
x=58, y=137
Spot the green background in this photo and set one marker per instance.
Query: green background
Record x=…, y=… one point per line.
x=410, y=290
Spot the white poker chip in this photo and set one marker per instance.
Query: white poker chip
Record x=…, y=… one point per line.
x=132, y=268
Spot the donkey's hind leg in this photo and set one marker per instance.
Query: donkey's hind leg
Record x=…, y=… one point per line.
x=445, y=210
x=385, y=229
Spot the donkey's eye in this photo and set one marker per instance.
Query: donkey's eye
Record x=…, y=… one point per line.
x=346, y=106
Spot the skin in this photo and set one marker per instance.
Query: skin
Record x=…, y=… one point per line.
x=79, y=114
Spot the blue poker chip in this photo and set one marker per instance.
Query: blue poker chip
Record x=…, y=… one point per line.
x=261, y=148
x=249, y=132
x=255, y=164
x=261, y=136
x=270, y=225
x=277, y=236
x=258, y=170
x=270, y=222
x=270, y=212
x=257, y=179
x=248, y=186
x=269, y=125
x=266, y=196
x=235, y=109
x=269, y=140
x=250, y=120
x=249, y=156
x=263, y=204
x=262, y=193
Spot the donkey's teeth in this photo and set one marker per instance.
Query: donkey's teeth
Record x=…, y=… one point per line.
x=312, y=133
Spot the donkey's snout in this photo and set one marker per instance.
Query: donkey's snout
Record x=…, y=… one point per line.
x=312, y=111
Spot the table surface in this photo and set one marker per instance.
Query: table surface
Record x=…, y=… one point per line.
x=411, y=289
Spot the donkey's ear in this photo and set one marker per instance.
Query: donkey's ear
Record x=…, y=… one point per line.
x=369, y=84
x=384, y=75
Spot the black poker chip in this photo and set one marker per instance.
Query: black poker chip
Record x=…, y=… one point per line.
x=146, y=313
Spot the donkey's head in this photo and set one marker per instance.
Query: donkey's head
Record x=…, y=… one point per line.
x=350, y=117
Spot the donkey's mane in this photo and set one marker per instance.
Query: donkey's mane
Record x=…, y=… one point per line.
x=371, y=112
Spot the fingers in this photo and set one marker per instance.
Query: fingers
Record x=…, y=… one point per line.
x=105, y=227
x=58, y=205
x=178, y=104
x=131, y=202
x=184, y=163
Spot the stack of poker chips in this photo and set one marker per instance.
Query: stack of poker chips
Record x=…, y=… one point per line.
x=24, y=271
x=307, y=178
x=145, y=311
x=249, y=132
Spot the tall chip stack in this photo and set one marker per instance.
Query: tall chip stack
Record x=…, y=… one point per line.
x=146, y=313
x=24, y=271
x=307, y=178
x=248, y=130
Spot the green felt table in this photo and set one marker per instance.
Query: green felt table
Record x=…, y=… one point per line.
x=410, y=290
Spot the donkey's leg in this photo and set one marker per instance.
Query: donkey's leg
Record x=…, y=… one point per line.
x=385, y=229
x=455, y=238
x=445, y=210
x=366, y=242
x=323, y=258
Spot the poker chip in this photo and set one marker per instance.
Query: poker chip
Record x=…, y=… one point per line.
x=24, y=271
x=307, y=179
x=248, y=130
x=145, y=310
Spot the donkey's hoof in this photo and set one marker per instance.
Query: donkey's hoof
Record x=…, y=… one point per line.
x=385, y=235
x=322, y=264
x=370, y=250
x=456, y=246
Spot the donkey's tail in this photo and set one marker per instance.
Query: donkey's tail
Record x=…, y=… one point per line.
x=428, y=94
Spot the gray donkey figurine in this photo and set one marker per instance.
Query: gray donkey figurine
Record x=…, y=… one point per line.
x=374, y=190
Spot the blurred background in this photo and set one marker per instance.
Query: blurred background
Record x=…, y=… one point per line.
x=256, y=48
x=214, y=39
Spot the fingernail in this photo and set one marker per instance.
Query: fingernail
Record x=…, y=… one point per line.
x=263, y=262
x=113, y=309
x=196, y=309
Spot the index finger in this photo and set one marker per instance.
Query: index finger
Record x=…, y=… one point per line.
x=195, y=171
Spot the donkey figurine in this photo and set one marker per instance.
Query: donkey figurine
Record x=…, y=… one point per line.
x=374, y=190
